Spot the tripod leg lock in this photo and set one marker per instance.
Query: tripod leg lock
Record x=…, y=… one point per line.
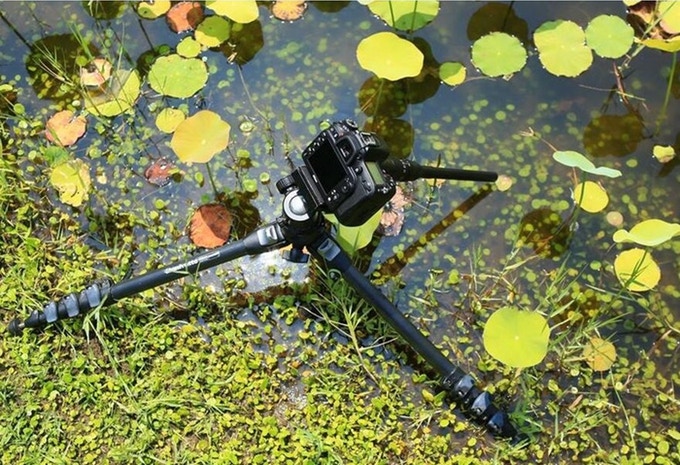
x=69, y=306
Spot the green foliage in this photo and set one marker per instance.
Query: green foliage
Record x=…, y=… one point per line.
x=562, y=49
x=176, y=76
x=498, y=54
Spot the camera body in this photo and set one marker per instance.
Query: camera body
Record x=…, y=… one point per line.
x=342, y=174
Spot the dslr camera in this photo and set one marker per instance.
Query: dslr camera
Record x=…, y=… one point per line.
x=342, y=174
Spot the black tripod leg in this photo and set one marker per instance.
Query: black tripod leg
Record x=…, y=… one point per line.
x=461, y=385
x=106, y=293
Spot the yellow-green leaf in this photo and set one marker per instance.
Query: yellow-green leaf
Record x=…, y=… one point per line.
x=241, y=11
x=599, y=354
x=636, y=270
x=516, y=337
x=72, y=179
x=590, y=196
x=648, y=233
x=389, y=56
x=200, y=137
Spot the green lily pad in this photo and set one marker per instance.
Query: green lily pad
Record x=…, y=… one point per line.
x=243, y=11
x=212, y=31
x=452, y=73
x=636, y=270
x=72, y=179
x=176, y=76
x=517, y=338
x=599, y=354
x=168, y=119
x=389, y=56
x=609, y=36
x=591, y=197
x=405, y=15
x=498, y=54
x=189, y=47
x=562, y=49
x=649, y=233
x=118, y=97
x=576, y=160
x=153, y=9
x=200, y=137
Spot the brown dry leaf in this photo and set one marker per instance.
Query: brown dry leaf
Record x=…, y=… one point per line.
x=288, y=10
x=392, y=218
x=64, y=128
x=159, y=172
x=210, y=226
x=96, y=73
x=184, y=16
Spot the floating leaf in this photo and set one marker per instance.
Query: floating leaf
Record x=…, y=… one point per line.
x=669, y=14
x=159, y=172
x=590, y=196
x=649, y=233
x=576, y=160
x=210, y=226
x=636, y=270
x=498, y=54
x=405, y=15
x=663, y=153
x=64, y=128
x=452, y=73
x=168, y=119
x=118, y=97
x=599, y=354
x=288, y=10
x=242, y=11
x=72, y=179
x=353, y=238
x=200, y=137
x=561, y=48
x=609, y=36
x=212, y=31
x=389, y=56
x=96, y=73
x=189, y=47
x=176, y=76
x=392, y=217
x=517, y=338
x=184, y=16
x=153, y=9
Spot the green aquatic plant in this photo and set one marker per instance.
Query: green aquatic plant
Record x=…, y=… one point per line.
x=498, y=54
x=72, y=179
x=562, y=49
x=649, y=233
x=176, y=76
x=243, y=11
x=198, y=138
x=576, y=160
x=516, y=337
x=117, y=97
x=609, y=36
x=452, y=73
x=389, y=56
x=405, y=15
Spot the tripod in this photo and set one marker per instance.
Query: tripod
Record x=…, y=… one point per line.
x=302, y=225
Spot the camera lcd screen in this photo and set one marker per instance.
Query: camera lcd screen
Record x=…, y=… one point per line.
x=376, y=173
x=326, y=166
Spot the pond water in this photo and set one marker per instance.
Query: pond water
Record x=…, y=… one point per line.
x=287, y=78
